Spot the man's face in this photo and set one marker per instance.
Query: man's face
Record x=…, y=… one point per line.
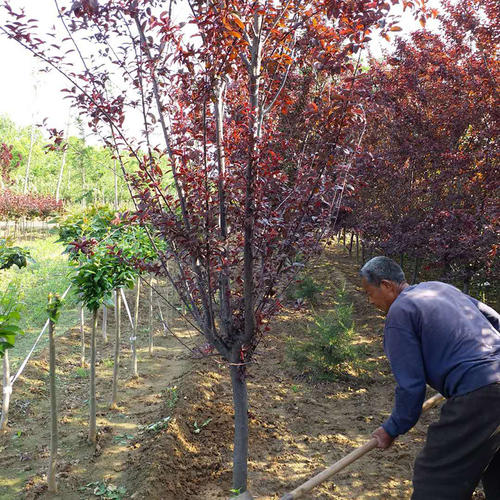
x=380, y=296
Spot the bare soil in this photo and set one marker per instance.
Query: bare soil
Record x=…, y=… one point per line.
x=297, y=427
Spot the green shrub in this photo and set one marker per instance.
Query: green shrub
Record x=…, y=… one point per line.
x=306, y=289
x=328, y=351
x=81, y=372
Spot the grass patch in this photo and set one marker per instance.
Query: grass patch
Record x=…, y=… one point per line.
x=48, y=274
x=328, y=351
x=108, y=362
x=81, y=372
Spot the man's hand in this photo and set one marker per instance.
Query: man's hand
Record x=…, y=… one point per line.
x=384, y=440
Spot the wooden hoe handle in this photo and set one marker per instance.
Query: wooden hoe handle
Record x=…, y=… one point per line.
x=348, y=459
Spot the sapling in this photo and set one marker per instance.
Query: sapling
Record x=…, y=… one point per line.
x=82, y=335
x=92, y=436
x=53, y=309
x=10, y=307
x=105, y=324
x=93, y=279
x=7, y=391
x=116, y=365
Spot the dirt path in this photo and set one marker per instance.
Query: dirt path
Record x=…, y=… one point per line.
x=297, y=428
x=24, y=450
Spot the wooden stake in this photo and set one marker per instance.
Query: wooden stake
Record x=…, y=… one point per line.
x=348, y=459
x=150, y=345
x=133, y=338
x=51, y=475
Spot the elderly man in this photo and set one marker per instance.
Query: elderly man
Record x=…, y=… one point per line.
x=437, y=335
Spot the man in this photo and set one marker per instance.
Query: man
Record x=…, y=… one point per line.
x=437, y=335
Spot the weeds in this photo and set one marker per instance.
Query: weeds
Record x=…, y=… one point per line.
x=108, y=362
x=171, y=395
x=81, y=373
x=105, y=490
x=198, y=428
x=156, y=426
x=122, y=439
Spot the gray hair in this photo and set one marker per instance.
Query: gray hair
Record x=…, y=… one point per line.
x=382, y=268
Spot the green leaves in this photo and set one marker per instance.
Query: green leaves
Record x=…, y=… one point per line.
x=10, y=308
x=12, y=256
x=156, y=426
x=105, y=490
x=108, y=253
x=54, y=307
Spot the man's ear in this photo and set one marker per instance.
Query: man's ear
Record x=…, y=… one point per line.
x=387, y=285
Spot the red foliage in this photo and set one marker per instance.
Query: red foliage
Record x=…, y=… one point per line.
x=428, y=183
x=6, y=163
x=258, y=126
x=15, y=206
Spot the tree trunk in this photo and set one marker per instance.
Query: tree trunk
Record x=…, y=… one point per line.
x=51, y=476
x=415, y=270
x=402, y=260
x=466, y=288
x=133, y=338
x=116, y=185
x=30, y=155
x=82, y=336
x=240, y=403
x=363, y=252
x=116, y=365
x=7, y=391
x=105, y=324
x=61, y=172
x=343, y=236
x=92, y=399
x=150, y=346
x=357, y=248
x=350, y=244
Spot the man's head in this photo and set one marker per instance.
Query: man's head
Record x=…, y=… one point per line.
x=383, y=280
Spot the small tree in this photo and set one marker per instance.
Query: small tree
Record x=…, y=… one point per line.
x=94, y=286
x=10, y=307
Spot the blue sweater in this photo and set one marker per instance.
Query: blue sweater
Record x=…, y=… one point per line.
x=437, y=335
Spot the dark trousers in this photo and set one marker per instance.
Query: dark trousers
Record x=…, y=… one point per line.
x=461, y=449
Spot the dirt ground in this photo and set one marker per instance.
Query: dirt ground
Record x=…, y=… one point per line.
x=297, y=428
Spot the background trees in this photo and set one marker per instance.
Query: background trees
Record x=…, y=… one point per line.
x=256, y=121
x=426, y=186
x=87, y=174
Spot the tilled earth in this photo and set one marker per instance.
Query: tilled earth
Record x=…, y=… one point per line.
x=297, y=428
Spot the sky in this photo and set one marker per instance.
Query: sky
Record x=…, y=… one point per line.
x=27, y=94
